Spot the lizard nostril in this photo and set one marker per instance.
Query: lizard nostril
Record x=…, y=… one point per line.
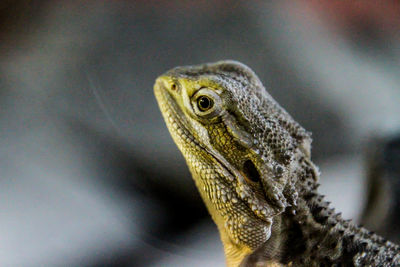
x=251, y=171
x=173, y=87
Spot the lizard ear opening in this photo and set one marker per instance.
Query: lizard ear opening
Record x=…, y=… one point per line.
x=251, y=172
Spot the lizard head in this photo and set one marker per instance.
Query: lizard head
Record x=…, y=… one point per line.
x=239, y=145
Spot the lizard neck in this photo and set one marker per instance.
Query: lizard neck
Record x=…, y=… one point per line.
x=315, y=234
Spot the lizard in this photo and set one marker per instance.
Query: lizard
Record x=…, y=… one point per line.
x=251, y=163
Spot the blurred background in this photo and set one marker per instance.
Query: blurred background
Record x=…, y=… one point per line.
x=89, y=175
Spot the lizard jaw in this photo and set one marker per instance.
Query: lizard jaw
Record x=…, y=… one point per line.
x=178, y=125
x=238, y=195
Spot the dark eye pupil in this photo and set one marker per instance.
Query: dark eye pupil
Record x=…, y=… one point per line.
x=204, y=103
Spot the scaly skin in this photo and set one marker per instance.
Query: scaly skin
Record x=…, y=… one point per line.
x=251, y=163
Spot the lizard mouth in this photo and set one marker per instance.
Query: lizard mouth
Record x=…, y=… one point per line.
x=174, y=117
x=177, y=124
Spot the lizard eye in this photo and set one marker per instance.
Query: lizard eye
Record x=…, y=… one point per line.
x=206, y=103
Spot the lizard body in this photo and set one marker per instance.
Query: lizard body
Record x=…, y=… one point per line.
x=251, y=163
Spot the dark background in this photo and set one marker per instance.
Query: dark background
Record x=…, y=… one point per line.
x=89, y=175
